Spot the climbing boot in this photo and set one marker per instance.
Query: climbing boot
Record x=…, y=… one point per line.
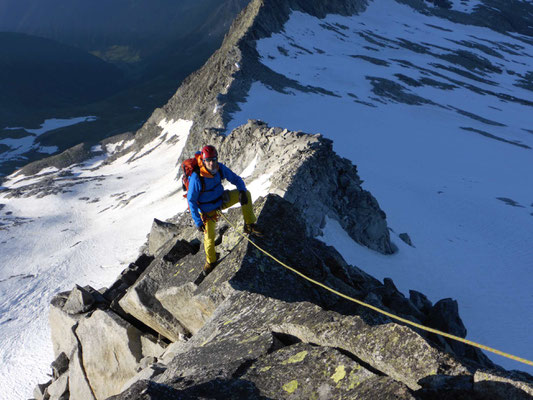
x=253, y=230
x=208, y=267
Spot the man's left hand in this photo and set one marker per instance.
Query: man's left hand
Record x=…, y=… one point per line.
x=243, y=197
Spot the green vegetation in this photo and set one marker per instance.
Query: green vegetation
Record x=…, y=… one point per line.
x=117, y=54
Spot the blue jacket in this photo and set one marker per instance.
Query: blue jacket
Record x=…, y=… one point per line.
x=211, y=198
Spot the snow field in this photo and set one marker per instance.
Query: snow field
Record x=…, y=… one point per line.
x=443, y=185
x=72, y=241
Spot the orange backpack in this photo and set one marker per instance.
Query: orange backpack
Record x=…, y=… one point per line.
x=189, y=166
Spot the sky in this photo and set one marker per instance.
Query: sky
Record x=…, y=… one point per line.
x=453, y=171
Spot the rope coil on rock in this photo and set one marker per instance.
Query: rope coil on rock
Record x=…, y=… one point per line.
x=378, y=310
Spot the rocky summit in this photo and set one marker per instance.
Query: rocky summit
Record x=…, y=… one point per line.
x=252, y=328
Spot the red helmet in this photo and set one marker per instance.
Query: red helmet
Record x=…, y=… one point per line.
x=209, y=152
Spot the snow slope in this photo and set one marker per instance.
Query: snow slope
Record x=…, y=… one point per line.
x=86, y=236
x=447, y=154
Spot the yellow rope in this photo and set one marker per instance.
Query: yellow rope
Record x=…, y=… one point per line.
x=406, y=321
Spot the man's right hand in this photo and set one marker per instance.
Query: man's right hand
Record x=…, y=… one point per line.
x=201, y=228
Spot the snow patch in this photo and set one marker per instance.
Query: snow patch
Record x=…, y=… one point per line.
x=56, y=123
x=48, y=170
x=257, y=188
x=48, y=149
x=179, y=128
x=260, y=186
x=111, y=148
x=249, y=170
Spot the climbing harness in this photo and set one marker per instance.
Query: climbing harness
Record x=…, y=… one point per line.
x=211, y=215
x=406, y=321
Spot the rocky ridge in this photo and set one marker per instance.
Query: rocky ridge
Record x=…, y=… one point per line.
x=289, y=163
x=210, y=95
x=251, y=328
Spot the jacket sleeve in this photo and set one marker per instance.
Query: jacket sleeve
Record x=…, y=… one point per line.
x=232, y=177
x=195, y=188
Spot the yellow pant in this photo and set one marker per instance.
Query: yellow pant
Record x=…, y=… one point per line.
x=210, y=224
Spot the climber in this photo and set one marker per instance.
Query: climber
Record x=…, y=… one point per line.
x=206, y=197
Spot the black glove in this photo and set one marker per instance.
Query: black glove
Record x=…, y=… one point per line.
x=243, y=197
x=201, y=228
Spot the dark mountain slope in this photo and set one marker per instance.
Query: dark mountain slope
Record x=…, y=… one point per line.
x=189, y=50
x=138, y=28
x=37, y=73
x=155, y=47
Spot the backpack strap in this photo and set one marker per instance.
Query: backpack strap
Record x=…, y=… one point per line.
x=202, y=179
x=202, y=182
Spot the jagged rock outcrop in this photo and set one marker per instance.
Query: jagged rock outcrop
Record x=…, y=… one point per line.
x=253, y=329
x=304, y=170
x=97, y=351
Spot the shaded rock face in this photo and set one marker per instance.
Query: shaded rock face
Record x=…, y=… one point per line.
x=498, y=15
x=97, y=350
